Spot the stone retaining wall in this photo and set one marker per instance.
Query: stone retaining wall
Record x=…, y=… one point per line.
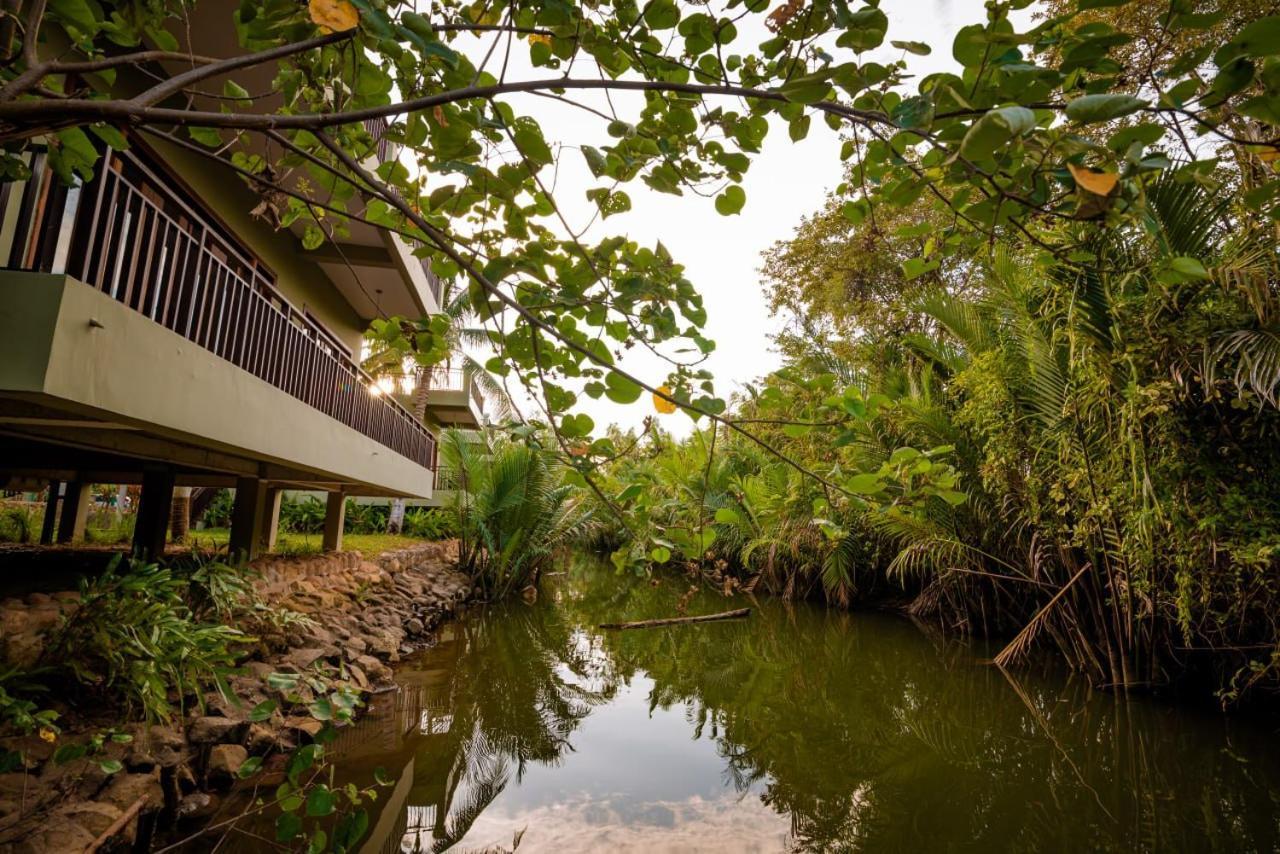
x=363, y=615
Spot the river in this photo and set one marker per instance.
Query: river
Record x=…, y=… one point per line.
x=799, y=728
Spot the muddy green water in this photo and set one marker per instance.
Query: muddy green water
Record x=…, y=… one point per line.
x=800, y=728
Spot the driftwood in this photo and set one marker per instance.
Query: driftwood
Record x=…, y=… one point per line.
x=675, y=621
x=118, y=825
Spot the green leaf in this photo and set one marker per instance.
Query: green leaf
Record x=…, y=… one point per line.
x=1101, y=108
x=914, y=112
x=110, y=135
x=1189, y=268
x=262, y=711
x=320, y=801
x=725, y=516
x=660, y=554
x=111, y=766
x=576, y=426
x=443, y=52
x=865, y=29
x=994, y=130
x=918, y=48
x=249, y=767
x=731, y=200
x=619, y=389
x=205, y=136
x=288, y=826
x=865, y=484
x=806, y=89
x=1260, y=38
x=661, y=14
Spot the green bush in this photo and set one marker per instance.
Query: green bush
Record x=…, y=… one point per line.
x=20, y=523
x=515, y=512
x=136, y=641
x=218, y=513
x=429, y=523
x=302, y=516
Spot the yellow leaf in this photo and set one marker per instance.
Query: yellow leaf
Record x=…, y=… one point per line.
x=664, y=406
x=540, y=38
x=1268, y=155
x=1094, y=181
x=334, y=15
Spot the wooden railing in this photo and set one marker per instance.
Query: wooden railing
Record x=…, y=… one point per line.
x=144, y=243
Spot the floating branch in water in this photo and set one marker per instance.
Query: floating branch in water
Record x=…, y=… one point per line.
x=674, y=621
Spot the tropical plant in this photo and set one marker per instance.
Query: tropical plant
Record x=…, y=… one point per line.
x=514, y=510
x=133, y=639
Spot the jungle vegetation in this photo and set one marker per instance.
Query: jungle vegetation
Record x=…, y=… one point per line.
x=1031, y=382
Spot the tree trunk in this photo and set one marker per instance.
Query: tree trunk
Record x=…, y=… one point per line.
x=180, y=515
x=395, y=521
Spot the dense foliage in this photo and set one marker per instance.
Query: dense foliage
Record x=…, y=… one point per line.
x=1033, y=377
x=1080, y=455
x=514, y=509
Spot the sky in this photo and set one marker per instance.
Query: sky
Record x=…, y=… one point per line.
x=722, y=255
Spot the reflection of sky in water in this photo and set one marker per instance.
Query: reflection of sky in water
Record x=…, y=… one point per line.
x=632, y=781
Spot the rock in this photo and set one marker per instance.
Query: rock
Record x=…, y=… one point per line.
x=56, y=834
x=302, y=659
x=224, y=761
x=185, y=779
x=263, y=739
x=23, y=650
x=260, y=670
x=125, y=789
x=375, y=669
x=212, y=729
x=306, y=728
x=197, y=806
x=356, y=646
x=358, y=676
x=414, y=626
x=94, y=817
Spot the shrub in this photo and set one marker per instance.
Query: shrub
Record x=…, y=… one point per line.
x=136, y=640
x=302, y=516
x=429, y=523
x=218, y=513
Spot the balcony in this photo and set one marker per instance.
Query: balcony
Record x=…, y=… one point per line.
x=454, y=399
x=133, y=235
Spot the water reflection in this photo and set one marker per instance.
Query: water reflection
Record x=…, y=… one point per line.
x=801, y=729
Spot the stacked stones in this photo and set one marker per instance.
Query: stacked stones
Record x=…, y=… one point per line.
x=363, y=616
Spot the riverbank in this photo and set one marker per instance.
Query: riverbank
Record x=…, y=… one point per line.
x=356, y=618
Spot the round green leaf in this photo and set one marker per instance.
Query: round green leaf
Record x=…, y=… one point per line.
x=731, y=200
x=1101, y=108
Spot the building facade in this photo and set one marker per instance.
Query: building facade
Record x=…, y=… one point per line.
x=159, y=327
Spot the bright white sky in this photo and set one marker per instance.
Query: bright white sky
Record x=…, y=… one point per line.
x=721, y=254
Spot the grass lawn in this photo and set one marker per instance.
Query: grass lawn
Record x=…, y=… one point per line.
x=286, y=543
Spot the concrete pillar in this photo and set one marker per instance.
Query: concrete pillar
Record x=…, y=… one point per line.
x=335, y=520
x=151, y=528
x=271, y=518
x=50, y=513
x=75, y=512
x=247, y=517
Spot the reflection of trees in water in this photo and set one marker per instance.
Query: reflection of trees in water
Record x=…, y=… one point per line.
x=518, y=685
x=869, y=738
x=865, y=734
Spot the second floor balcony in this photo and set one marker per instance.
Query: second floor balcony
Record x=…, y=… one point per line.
x=133, y=235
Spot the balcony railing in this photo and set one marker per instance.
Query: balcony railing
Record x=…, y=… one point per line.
x=144, y=243
x=456, y=379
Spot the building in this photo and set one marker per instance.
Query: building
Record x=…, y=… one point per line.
x=155, y=328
